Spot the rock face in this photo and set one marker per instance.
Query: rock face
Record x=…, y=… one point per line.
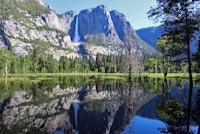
x=45, y=30
x=61, y=22
x=3, y=39
x=26, y=29
x=96, y=20
x=66, y=20
x=122, y=27
x=99, y=26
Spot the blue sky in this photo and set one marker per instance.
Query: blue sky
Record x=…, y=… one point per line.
x=134, y=10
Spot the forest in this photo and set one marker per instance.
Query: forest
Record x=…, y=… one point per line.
x=40, y=63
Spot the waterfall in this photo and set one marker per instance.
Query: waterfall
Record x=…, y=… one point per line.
x=76, y=40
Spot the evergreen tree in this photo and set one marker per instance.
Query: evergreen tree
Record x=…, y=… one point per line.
x=196, y=58
x=61, y=64
x=13, y=65
x=24, y=64
x=5, y=57
x=181, y=19
x=35, y=57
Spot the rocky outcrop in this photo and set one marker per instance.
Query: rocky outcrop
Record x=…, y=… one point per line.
x=61, y=22
x=66, y=20
x=24, y=38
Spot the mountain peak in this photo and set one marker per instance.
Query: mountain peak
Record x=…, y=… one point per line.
x=101, y=6
x=117, y=13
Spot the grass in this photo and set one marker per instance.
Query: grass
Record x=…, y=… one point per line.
x=37, y=77
x=45, y=76
x=14, y=79
x=171, y=75
x=68, y=74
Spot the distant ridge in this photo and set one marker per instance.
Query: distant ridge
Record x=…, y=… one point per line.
x=150, y=34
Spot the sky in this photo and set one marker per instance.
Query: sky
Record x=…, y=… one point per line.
x=134, y=10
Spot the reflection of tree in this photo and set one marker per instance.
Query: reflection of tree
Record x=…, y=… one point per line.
x=131, y=94
x=173, y=128
x=152, y=85
x=196, y=115
x=171, y=110
x=180, y=83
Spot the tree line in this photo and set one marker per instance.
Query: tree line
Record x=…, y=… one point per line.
x=41, y=63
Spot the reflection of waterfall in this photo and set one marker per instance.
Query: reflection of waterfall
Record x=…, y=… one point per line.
x=76, y=103
x=76, y=106
x=76, y=40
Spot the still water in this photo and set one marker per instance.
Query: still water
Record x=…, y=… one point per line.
x=98, y=105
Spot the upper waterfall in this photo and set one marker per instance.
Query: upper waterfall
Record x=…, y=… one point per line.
x=76, y=40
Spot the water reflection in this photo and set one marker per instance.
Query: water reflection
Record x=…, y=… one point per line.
x=76, y=103
x=98, y=105
x=171, y=109
x=136, y=126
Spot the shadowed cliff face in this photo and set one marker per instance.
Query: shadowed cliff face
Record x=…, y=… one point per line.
x=122, y=26
x=3, y=40
x=101, y=20
x=94, y=21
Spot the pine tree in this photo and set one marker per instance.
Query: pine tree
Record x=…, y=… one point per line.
x=181, y=19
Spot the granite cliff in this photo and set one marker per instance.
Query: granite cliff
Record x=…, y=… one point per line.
x=29, y=24
x=110, y=29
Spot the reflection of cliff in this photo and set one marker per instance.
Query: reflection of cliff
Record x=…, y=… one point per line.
x=108, y=111
x=25, y=114
x=100, y=111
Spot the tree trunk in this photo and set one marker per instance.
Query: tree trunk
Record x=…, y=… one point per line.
x=190, y=71
x=6, y=71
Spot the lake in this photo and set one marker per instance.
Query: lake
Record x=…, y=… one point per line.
x=98, y=105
